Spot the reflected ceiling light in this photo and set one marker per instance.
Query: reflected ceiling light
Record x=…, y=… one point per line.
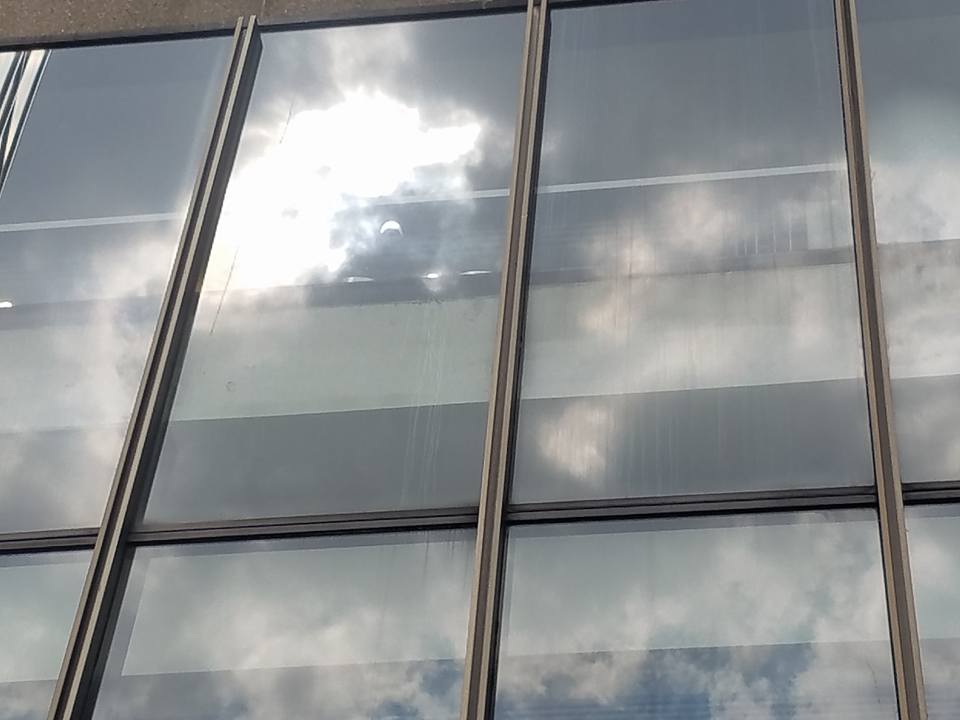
x=5, y=304
x=391, y=226
x=468, y=273
x=431, y=276
x=358, y=278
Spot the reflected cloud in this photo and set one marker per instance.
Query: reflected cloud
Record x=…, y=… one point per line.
x=322, y=628
x=38, y=598
x=774, y=621
x=282, y=213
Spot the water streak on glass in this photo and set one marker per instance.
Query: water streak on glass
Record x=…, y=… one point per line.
x=38, y=599
x=341, y=355
x=692, y=322
x=912, y=93
x=935, y=564
x=754, y=617
x=334, y=628
x=90, y=217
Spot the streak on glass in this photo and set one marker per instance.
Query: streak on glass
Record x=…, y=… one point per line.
x=692, y=322
x=911, y=73
x=38, y=599
x=777, y=617
x=331, y=628
x=90, y=217
x=935, y=564
x=341, y=356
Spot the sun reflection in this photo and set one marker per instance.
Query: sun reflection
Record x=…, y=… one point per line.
x=280, y=220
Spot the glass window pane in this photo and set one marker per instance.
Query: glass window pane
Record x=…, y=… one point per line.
x=338, y=628
x=778, y=616
x=90, y=218
x=935, y=563
x=341, y=355
x=38, y=600
x=692, y=322
x=911, y=59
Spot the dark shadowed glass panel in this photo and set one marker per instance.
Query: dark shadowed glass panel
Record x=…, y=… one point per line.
x=935, y=563
x=692, y=323
x=333, y=628
x=90, y=218
x=777, y=617
x=911, y=74
x=38, y=600
x=341, y=355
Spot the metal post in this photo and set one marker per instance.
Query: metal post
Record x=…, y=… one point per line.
x=103, y=584
x=480, y=666
x=893, y=536
x=12, y=125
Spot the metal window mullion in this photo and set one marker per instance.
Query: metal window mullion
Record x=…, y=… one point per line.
x=893, y=535
x=103, y=583
x=480, y=661
x=13, y=127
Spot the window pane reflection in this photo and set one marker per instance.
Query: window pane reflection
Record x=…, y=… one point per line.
x=38, y=600
x=766, y=617
x=90, y=217
x=692, y=322
x=341, y=356
x=935, y=564
x=369, y=626
x=910, y=62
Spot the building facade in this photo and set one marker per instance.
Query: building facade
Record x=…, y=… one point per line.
x=480, y=360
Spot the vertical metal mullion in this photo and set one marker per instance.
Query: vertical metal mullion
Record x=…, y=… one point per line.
x=480, y=666
x=8, y=98
x=103, y=584
x=16, y=123
x=893, y=535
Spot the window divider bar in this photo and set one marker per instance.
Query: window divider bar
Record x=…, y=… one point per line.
x=103, y=584
x=482, y=632
x=42, y=540
x=283, y=527
x=688, y=505
x=893, y=537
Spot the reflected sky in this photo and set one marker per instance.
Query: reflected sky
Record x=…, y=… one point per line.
x=370, y=626
x=692, y=318
x=910, y=56
x=38, y=600
x=777, y=617
x=934, y=535
x=90, y=216
x=351, y=296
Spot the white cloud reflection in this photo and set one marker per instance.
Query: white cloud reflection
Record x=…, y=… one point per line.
x=318, y=629
x=280, y=214
x=774, y=621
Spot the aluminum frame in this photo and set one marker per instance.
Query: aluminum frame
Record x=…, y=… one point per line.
x=113, y=542
x=901, y=612
x=483, y=629
x=103, y=582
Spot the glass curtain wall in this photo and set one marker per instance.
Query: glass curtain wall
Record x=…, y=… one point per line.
x=307, y=538
x=338, y=365
x=912, y=94
x=692, y=323
x=99, y=150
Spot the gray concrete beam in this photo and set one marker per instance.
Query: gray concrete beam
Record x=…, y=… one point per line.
x=24, y=22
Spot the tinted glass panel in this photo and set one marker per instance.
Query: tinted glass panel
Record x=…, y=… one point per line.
x=911, y=72
x=38, y=599
x=341, y=356
x=761, y=617
x=692, y=322
x=365, y=627
x=90, y=217
x=935, y=562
